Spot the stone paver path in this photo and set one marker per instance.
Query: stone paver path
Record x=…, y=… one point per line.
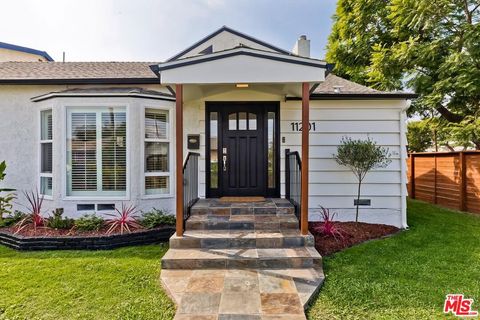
x=240, y=261
x=231, y=294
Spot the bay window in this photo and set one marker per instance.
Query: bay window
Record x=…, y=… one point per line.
x=97, y=151
x=157, y=152
x=46, y=152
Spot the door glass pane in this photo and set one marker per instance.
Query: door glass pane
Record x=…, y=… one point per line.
x=242, y=121
x=271, y=150
x=252, y=121
x=232, y=121
x=213, y=150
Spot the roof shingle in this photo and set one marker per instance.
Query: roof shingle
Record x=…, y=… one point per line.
x=25, y=71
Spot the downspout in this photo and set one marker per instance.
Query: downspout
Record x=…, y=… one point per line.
x=403, y=163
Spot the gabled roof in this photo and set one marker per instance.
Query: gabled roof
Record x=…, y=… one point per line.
x=242, y=50
x=242, y=64
x=230, y=30
x=4, y=45
x=77, y=72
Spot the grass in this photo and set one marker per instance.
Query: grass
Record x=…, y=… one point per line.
x=408, y=275
x=118, y=284
x=403, y=277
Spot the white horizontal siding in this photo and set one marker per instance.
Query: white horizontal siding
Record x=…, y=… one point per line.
x=292, y=113
x=348, y=126
x=326, y=152
x=334, y=139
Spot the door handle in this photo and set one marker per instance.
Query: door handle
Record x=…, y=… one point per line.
x=224, y=163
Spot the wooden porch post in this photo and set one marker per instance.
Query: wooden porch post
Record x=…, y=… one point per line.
x=305, y=146
x=179, y=157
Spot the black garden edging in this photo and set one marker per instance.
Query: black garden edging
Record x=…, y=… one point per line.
x=106, y=242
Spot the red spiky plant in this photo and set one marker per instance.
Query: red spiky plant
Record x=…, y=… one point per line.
x=34, y=216
x=123, y=219
x=329, y=227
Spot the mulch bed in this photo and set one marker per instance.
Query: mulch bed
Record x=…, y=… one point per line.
x=352, y=233
x=29, y=231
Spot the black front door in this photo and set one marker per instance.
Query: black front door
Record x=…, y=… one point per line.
x=243, y=163
x=242, y=156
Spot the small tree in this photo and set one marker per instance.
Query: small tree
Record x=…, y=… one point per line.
x=361, y=156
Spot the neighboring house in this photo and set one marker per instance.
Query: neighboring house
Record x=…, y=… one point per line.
x=90, y=135
x=11, y=52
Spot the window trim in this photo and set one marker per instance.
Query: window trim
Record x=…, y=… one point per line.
x=170, y=140
x=40, y=143
x=93, y=107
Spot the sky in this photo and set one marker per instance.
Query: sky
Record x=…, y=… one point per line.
x=154, y=30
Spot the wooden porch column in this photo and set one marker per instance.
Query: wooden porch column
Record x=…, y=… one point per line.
x=305, y=145
x=179, y=157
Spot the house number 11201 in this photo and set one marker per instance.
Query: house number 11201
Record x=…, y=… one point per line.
x=297, y=126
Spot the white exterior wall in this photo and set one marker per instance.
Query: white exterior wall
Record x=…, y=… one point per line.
x=331, y=185
x=20, y=147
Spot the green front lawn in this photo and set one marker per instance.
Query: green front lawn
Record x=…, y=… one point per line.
x=408, y=275
x=118, y=284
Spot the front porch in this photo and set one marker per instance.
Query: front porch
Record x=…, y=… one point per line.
x=249, y=259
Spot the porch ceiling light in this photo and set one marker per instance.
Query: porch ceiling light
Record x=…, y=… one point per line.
x=242, y=85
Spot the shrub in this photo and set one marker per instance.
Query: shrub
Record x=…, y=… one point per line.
x=156, y=218
x=59, y=222
x=89, y=222
x=6, y=199
x=12, y=219
x=34, y=215
x=123, y=220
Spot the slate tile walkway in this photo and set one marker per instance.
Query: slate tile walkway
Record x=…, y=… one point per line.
x=241, y=261
x=241, y=293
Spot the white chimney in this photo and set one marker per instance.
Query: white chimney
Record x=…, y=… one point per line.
x=302, y=47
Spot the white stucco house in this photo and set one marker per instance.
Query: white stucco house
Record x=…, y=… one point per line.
x=90, y=135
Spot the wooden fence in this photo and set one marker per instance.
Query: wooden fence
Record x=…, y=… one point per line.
x=450, y=179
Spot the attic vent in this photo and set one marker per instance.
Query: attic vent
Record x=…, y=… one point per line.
x=207, y=50
x=337, y=89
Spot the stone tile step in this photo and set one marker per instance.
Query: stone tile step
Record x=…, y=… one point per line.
x=305, y=257
x=224, y=239
x=216, y=207
x=242, y=222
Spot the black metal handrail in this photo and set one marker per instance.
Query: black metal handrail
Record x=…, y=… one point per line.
x=190, y=183
x=293, y=179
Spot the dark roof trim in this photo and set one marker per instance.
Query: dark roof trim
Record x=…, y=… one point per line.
x=358, y=96
x=235, y=32
x=207, y=58
x=107, y=95
x=14, y=47
x=82, y=81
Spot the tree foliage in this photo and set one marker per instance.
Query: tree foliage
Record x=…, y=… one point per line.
x=431, y=47
x=361, y=156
